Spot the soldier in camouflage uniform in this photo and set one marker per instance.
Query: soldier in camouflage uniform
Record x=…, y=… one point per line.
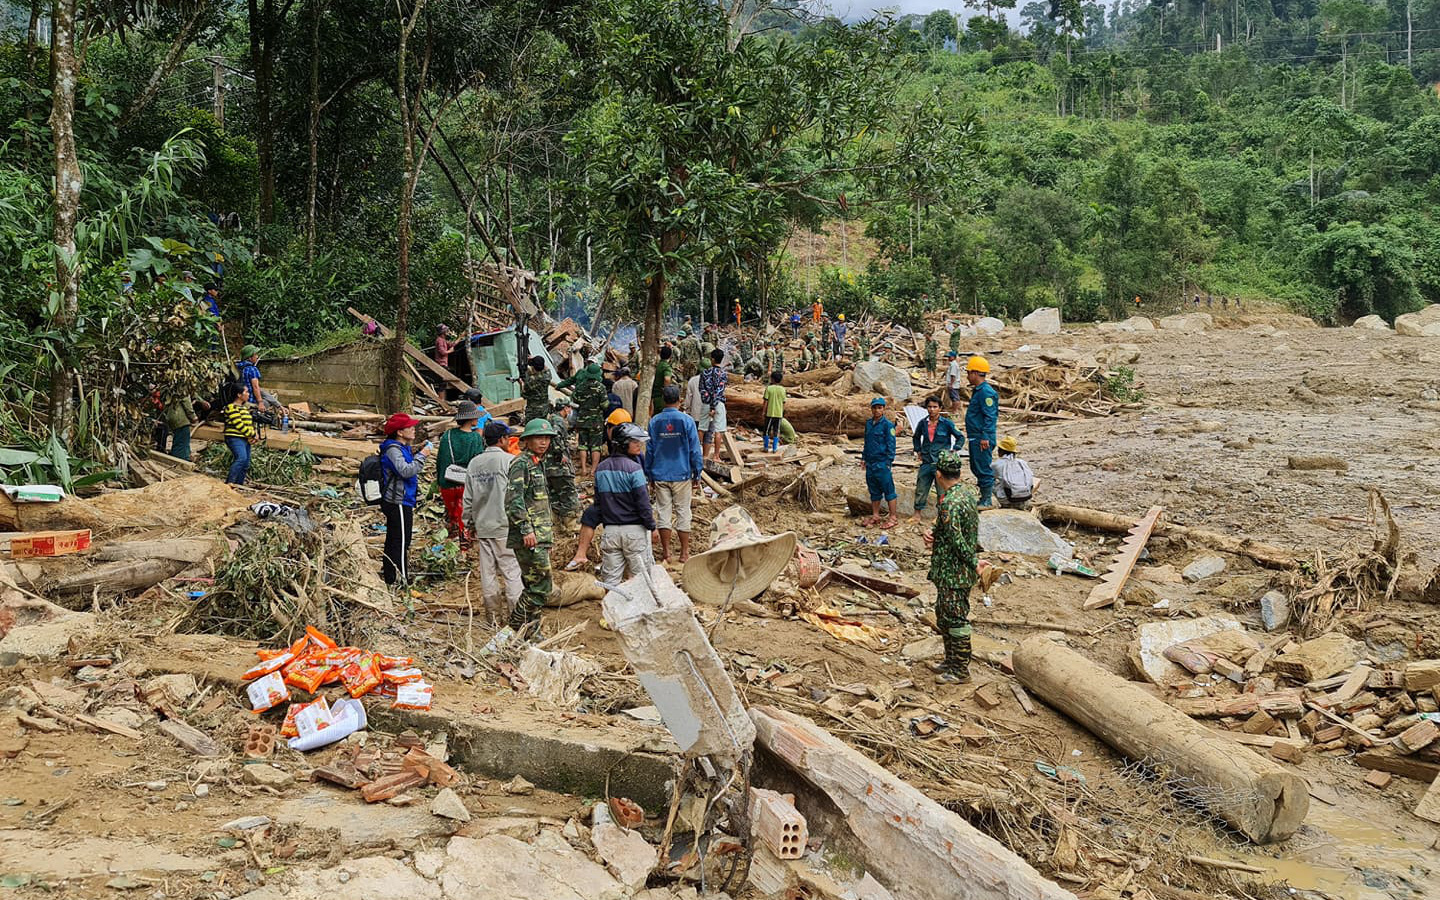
x=827, y=337
x=592, y=401
x=955, y=341
x=536, y=389
x=932, y=349
x=688, y=349
x=532, y=531
x=954, y=561
x=862, y=340
x=707, y=341
x=559, y=470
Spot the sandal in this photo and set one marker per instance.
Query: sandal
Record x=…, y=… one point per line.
x=890, y=523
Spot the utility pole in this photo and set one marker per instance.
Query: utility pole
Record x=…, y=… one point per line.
x=219, y=87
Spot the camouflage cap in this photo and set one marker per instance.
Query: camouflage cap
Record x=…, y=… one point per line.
x=950, y=463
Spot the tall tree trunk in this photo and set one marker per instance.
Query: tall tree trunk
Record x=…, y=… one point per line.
x=650, y=342
x=262, y=31
x=409, y=105
x=312, y=181
x=32, y=38
x=68, y=183
x=167, y=65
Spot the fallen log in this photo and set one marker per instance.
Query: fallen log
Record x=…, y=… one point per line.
x=897, y=829
x=1265, y=554
x=821, y=415
x=1254, y=794
x=188, y=550
x=317, y=444
x=120, y=577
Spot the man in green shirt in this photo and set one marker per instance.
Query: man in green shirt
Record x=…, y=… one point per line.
x=559, y=470
x=532, y=530
x=954, y=564
x=664, y=374
x=536, y=389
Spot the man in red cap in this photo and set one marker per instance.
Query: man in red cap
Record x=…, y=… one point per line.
x=400, y=466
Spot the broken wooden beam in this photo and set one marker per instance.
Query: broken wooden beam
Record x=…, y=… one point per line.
x=1266, y=554
x=866, y=580
x=319, y=445
x=438, y=370
x=1255, y=795
x=900, y=830
x=1107, y=591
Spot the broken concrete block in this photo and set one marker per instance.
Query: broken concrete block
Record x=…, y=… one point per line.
x=901, y=832
x=1203, y=568
x=1018, y=531
x=499, y=866
x=931, y=647
x=1147, y=651
x=1274, y=610
x=448, y=805
x=267, y=776
x=1422, y=674
x=1326, y=655
x=37, y=629
x=677, y=666
x=518, y=787
x=876, y=377
x=1045, y=320
x=1417, y=737
x=769, y=875
x=555, y=675
x=776, y=822
x=627, y=855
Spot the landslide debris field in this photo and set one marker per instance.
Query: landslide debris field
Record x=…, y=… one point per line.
x=1264, y=430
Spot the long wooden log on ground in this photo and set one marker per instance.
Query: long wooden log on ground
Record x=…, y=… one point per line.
x=315, y=443
x=121, y=577
x=820, y=415
x=899, y=831
x=1266, y=554
x=1255, y=795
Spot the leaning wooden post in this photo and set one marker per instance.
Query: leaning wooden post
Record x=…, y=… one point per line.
x=1258, y=797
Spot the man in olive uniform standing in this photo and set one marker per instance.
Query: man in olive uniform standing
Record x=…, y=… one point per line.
x=536, y=389
x=932, y=349
x=532, y=530
x=862, y=340
x=954, y=562
x=591, y=399
x=955, y=341
x=559, y=470
x=689, y=351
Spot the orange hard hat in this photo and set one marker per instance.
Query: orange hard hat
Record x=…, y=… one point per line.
x=618, y=417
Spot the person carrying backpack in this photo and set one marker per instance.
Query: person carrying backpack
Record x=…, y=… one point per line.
x=1014, y=482
x=400, y=467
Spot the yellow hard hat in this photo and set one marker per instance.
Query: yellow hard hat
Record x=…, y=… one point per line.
x=977, y=364
x=1007, y=445
x=841, y=317
x=618, y=417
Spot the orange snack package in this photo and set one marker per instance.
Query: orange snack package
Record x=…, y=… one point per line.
x=267, y=692
x=396, y=662
x=320, y=638
x=361, y=676
x=266, y=666
x=415, y=695
x=308, y=678
x=402, y=676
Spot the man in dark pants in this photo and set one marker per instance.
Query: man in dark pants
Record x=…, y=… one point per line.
x=532, y=528
x=954, y=564
x=981, y=417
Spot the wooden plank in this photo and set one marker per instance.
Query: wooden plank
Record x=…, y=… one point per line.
x=1107, y=591
x=423, y=386
x=881, y=585
x=1352, y=686
x=315, y=443
x=732, y=447
x=1405, y=766
x=443, y=373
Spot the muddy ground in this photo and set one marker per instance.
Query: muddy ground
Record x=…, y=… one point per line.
x=88, y=815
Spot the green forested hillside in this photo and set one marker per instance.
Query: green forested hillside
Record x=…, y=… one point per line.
x=338, y=154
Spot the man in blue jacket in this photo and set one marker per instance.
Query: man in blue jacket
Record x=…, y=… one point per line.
x=879, y=460
x=981, y=417
x=934, y=436
x=673, y=465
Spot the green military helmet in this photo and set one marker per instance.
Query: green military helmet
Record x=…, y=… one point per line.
x=538, y=428
x=949, y=463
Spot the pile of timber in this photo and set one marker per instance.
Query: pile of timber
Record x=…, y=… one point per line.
x=1054, y=390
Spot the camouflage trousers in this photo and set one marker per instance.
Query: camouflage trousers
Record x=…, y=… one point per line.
x=535, y=577
x=952, y=614
x=560, y=485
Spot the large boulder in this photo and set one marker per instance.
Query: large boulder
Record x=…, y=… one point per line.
x=1425, y=323
x=1018, y=531
x=1372, y=323
x=1045, y=320
x=874, y=376
x=1137, y=323
x=1188, y=322
x=989, y=325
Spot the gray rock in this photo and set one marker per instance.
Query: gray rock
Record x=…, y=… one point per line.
x=629, y=857
x=1372, y=323
x=448, y=805
x=267, y=776
x=1137, y=323
x=245, y=823
x=989, y=325
x=548, y=869
x=1045, y=320
x=932, y=647
x=1203, y=568
x=874, y=376
x=1187, y=322
x=1018, y=531
x=41, y=631
x=360, y=824
x=1274, y=611
x=1425, y=323
x=122, y=716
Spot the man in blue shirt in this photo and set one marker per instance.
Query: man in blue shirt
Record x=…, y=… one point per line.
x=934, y=436
x=879, y=460
x=673, y=465
x=981, y=417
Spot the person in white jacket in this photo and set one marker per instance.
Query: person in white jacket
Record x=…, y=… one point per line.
x=484, y=510
x=1014, y=482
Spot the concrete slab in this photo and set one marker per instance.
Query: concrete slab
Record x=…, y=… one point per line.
x=362, y=824
x=60, y=856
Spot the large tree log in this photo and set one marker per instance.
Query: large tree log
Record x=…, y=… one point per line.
x=915, y=847
x=841, y=415
x=1264, y=554
x=1258, y=797
x=120, y=577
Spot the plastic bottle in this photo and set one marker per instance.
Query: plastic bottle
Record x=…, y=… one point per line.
x=285, y=424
